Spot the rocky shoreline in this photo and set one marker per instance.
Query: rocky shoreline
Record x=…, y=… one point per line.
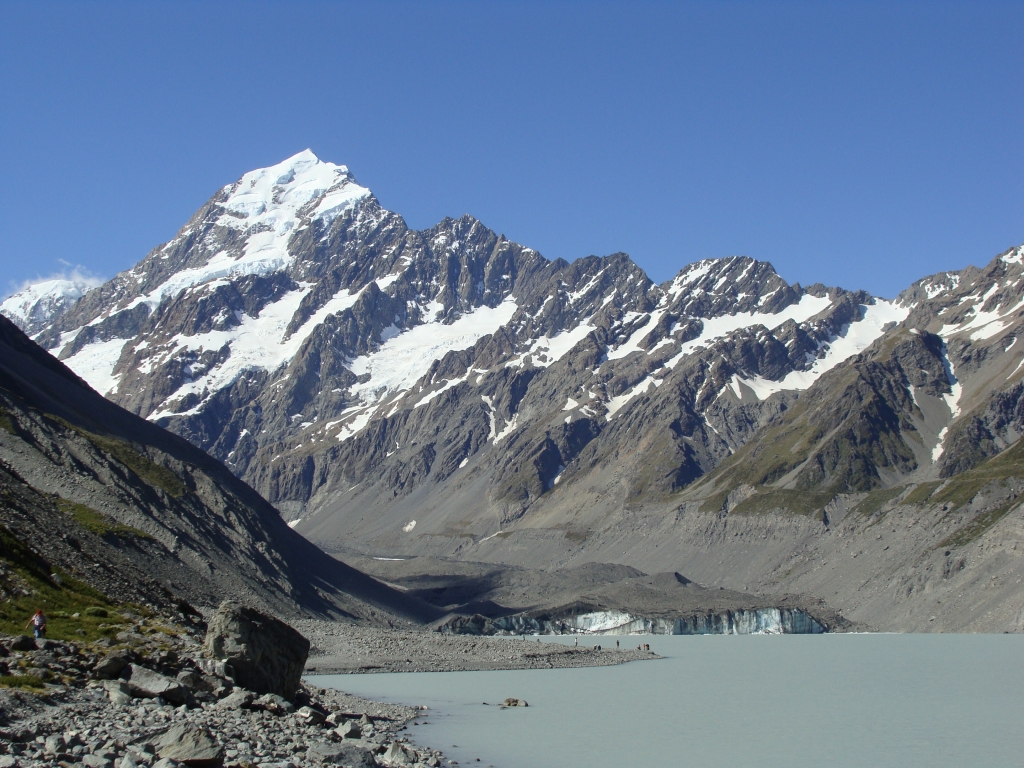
x=151, y=699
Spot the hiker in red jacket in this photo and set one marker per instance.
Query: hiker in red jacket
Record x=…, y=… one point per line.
x=38, y=623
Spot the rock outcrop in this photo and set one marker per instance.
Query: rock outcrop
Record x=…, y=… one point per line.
x=265, y=654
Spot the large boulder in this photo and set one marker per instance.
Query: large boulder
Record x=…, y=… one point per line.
x=266, y=655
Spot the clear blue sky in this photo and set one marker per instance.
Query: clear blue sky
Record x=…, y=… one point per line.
x=855, y=144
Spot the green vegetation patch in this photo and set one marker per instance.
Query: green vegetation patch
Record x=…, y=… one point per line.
x=962, y=488
x=715, y=503
x=6, y=422
x=151, y=472
x=25, y=579
x=780, y=456
x=21, y=681
x=874, y=501
x=922, y=493
x=784, y=500
x=965, y=486
x=976, y=527
x=98, y=523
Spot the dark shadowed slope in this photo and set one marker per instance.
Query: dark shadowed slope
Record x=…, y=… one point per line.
x=164, y=507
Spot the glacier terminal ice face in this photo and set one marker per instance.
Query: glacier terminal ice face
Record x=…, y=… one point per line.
x=754, y=621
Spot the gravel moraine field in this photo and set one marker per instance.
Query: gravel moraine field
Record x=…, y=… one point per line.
x=340, y=649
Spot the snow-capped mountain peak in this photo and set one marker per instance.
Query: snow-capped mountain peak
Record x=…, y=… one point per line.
x=35, y=305
x=246, y=230
x=273, y=197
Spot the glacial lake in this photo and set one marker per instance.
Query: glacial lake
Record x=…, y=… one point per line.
x=745, y=700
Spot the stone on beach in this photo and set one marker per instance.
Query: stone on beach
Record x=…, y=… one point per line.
x=117, y=691
x=274, y=704
x=189, y=745
x=149, y=684
x=311, y=716
x=96, y=761
x=54, y=744
x=238, y=699
x=349, y=730
x=111, y=666
x=397, y=755
x=341, y=754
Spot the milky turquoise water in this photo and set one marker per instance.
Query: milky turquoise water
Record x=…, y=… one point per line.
x=833, y=700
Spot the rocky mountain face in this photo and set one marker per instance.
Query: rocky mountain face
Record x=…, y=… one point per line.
x=450, y=392
x=141, y=515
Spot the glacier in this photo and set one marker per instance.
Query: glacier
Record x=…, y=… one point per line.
x=752, y=621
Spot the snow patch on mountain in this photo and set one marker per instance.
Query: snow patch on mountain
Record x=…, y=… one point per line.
x=273, y=197
x=95, y=363
x=546, y=351
x=256, y=343
x=984, y=324
x=508, y=430
x=632, y=344
x=719, y=327
x=852, y=339
x=401, y=361
x=690, y=275
x=1015, y=256
x=447, y=385
x=615, y=404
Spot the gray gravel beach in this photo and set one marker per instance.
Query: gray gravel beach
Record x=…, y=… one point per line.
x=344, y=649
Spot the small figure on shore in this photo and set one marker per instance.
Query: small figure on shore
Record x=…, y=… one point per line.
x=576, y=642
x=616, y=644
x=38, y=623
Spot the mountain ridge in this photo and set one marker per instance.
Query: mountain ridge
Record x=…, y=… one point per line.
x=446, y=390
